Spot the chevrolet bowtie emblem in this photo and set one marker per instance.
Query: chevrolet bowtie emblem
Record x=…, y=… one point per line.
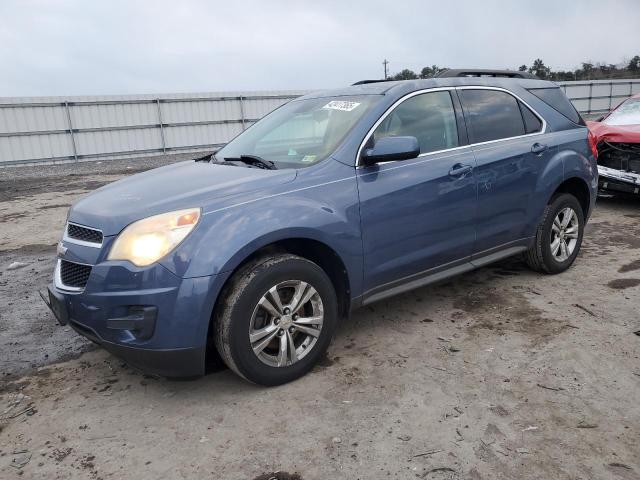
x=61, y=250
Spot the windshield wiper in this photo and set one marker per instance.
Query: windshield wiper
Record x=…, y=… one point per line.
x=209, y=157
x=254, y=160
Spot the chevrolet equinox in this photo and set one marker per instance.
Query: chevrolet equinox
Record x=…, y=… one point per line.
x=333, y=201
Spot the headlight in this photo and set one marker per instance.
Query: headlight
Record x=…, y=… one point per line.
x=148, y=240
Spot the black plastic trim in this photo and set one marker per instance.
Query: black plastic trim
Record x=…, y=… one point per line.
x=171, y=362
x=141, y=321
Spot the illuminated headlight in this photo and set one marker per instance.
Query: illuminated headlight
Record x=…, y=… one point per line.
x=148, y=240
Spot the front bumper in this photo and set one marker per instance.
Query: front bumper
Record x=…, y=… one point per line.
x=153, y=319
x=618, y=180
x=168, y=362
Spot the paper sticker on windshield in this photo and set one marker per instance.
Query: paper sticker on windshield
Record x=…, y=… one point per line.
x=308, y=159
x=343, y=105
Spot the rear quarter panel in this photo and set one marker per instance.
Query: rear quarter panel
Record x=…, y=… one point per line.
x=571, y=158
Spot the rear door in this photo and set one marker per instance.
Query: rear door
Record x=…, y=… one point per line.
x=510, y=151
x=418, y=214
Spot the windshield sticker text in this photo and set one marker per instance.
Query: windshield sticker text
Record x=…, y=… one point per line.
x=343, y=105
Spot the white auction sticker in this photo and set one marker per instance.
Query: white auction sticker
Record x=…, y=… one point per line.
x=343, y=105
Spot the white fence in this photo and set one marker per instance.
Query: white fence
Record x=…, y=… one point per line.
x=599, y=96
x=58, y=129
x=55, y=129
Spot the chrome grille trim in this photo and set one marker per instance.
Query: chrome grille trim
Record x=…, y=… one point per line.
x=57, y=277
x=88, y=230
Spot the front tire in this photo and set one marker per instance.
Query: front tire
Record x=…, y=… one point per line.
x=276, y=319
x=559, y=236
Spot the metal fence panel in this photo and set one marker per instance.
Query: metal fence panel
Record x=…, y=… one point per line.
x=25, y=148
x=200, y=111
x=114, y=141
x=200, y=136
x=57, y=129
x=32, y=118
x=116, y=115
x=599, y=96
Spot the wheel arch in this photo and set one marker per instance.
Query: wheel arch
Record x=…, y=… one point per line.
x=577, y=187
x=316, y=251
x=311, y=249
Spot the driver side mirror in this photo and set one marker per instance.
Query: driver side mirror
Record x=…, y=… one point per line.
x=389, y=149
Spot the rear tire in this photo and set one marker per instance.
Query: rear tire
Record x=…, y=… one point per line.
x=276, y=319
x=558, y=237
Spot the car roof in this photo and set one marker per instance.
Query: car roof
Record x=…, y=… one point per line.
x=402, y=87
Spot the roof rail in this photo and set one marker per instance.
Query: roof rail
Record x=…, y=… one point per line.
x=364, y=82
x=480, y=72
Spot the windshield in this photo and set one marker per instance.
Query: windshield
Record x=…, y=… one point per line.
x=626, y=114
x=300, y=133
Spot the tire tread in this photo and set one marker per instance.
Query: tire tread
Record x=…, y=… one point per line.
x=230, y=295
x=535, y=256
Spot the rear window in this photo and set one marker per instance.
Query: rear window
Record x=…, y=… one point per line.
x=493, y=114
x=556, y=99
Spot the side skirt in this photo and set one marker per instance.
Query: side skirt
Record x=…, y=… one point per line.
x=444, y=272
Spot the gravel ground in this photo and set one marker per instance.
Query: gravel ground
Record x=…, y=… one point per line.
x=498, y=374
x=33, y=206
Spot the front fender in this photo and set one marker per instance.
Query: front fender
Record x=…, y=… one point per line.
x=326, y=212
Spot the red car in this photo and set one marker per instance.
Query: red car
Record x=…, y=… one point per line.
x=616, y=136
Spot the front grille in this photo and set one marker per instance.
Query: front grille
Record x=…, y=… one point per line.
x=74, y=274
x=85, y=234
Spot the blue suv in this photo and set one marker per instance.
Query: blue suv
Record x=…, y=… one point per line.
x=333, y=201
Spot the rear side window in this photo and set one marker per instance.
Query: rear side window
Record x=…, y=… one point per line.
x=556, y=99
x=532, y=123
x=429, y=117
x=493, y=114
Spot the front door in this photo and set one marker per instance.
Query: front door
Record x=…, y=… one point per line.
x=418, y=215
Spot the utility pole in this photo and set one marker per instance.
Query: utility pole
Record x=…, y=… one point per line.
x=385, y=63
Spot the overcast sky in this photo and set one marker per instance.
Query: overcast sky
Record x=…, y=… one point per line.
x=78, y=47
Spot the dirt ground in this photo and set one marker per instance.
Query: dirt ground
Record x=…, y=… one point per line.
x=498, y=374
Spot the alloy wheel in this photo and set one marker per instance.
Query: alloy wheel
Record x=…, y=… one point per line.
x=286, y=323
x=564, y=234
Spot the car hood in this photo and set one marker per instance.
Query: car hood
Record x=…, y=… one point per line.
x=615, y=133
x=180, y=185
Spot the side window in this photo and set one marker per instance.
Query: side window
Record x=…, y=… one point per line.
x=429, y=117
x=556, y=99
x=532, y=123
x=493, y=114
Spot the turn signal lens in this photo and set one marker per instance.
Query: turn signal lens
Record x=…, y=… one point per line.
x=147, y=241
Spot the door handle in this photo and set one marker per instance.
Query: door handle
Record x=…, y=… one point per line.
x=459, y=170
x=538, y=148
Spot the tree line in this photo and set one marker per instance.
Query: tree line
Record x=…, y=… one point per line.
x=587, y=71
